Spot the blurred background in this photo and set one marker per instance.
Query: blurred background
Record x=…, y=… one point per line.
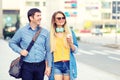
x=89, y=16
x=95, y=22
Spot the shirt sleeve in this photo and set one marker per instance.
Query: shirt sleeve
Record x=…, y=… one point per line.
x=75, y=42
x=14, y=43
x=48, y=53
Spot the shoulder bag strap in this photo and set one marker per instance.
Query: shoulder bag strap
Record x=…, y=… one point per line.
x=32, y=41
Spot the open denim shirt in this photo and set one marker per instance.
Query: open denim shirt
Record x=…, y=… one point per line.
x=73, y=66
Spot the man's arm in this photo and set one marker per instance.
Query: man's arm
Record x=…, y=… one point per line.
x=48, y=56
x=14, y=43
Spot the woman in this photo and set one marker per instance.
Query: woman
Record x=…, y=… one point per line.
x=63, y=44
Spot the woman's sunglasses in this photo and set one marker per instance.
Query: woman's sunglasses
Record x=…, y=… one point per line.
x=60, y=18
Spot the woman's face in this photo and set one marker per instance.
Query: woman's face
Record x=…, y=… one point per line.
x=59, y=19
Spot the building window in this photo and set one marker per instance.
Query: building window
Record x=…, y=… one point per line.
x=110, y=25
x=106, y=4
x=116, y=10
x=44, y=3
x=115, y=17
x=37, y=4
x=10, y=17
x=31, y=3
x=106, y=15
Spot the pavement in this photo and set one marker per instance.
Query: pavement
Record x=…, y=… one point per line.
x=115, y=46
x=108, y=40
x=85, y=72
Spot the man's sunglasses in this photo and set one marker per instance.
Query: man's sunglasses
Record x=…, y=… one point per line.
x=60, y=18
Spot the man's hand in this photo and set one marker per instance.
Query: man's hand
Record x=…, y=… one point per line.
x=24, y=52
x=48, y=71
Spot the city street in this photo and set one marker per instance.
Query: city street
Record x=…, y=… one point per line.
x=97, y=27
x=104, y=39
x=94, y=62
x=98, y=62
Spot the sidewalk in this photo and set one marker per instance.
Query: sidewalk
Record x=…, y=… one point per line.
x=107, y=40
x=86, y=72
x=116, y=46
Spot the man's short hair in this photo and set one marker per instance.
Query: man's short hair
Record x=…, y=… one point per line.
x=32, y=11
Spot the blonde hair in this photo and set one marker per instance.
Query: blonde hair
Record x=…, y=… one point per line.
x=53, y=32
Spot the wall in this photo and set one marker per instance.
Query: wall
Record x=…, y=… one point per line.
x=10, y=4
x=1, y=26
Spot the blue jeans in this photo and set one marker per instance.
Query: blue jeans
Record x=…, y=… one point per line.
x=33, y=71
x=62, y=68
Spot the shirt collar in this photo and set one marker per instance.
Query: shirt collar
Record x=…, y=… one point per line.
x=37, y=28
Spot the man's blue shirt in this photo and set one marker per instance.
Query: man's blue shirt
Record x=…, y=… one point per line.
x=40, y=50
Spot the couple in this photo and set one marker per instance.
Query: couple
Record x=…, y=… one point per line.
x=52, y=53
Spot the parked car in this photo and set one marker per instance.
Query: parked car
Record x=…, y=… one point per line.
x=96, y=31
x=9, y=30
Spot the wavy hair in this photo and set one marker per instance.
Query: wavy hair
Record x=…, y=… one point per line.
x=53, y=32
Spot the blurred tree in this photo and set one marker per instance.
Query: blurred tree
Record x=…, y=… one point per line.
x=88, y=25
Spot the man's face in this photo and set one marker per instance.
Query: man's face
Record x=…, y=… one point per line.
x=36, y=18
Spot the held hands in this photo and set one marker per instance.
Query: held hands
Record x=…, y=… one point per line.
x=24, y=52
x=48, y=71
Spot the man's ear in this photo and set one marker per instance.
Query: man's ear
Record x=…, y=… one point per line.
x=31, y=18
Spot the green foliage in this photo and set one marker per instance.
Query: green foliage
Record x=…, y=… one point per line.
x=78, y=38
x=118, y=31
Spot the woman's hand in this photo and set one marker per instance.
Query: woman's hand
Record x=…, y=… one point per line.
x=48, y=71
x=69, y=40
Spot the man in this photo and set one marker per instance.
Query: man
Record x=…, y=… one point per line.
x=38, y=60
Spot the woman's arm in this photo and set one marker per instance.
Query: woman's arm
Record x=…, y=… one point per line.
x=74, y=46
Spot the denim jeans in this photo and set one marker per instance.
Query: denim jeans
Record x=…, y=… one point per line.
x=61, y=68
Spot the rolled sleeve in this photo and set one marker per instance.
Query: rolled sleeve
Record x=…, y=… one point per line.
x=76, y=49
x=14, y=43
x=48, y=54
x=75, y=42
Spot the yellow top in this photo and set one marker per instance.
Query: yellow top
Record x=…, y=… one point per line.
x=61, y=52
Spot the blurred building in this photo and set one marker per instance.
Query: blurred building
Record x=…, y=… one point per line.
x=79, y=13
x=11, y=10
x=1, y=18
